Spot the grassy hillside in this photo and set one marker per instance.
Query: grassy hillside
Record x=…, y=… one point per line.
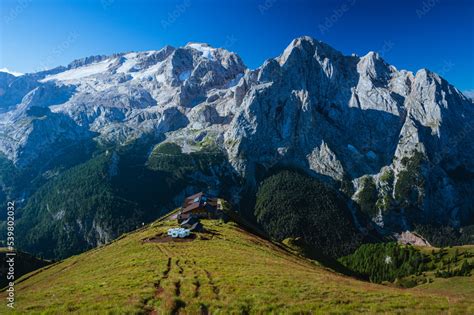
x=224, y=270
x=454, y=288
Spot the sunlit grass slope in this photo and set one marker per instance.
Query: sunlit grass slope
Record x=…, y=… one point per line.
x=227, y=270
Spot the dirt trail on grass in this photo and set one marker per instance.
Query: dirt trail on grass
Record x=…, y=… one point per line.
x=182, y=282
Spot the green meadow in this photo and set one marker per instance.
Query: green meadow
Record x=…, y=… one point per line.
x=223, y=270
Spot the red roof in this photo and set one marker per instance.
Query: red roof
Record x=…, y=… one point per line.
x=191, y=199
x=190, y=204
x=191, y=207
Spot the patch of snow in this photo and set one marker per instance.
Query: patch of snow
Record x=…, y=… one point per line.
x=161, y=78
x=183, y=76
x=81, y=72
x=128, y=64
x=14, y=73
x=151, y=52
x=150, y=72
x=206, y=50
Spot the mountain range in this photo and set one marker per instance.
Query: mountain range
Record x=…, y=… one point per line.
x=93, y=149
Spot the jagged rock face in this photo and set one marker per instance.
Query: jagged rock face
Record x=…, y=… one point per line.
x=335, y=116
x=339, y=116
x=313, y=97
x=37, y=131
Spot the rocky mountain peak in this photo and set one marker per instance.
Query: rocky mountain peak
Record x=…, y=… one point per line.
x=306, y=48
x=374, y=67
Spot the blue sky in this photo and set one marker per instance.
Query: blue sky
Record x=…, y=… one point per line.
x=435, y=34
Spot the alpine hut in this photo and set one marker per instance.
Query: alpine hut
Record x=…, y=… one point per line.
x=199, y=205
